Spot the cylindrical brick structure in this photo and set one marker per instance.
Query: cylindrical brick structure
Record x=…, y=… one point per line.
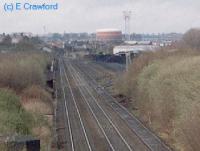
x=109, y=35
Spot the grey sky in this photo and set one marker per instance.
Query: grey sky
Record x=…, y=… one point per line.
x=149, y=16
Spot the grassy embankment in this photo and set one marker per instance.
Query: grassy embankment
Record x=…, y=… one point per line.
x=165, y=91
x=24, y=102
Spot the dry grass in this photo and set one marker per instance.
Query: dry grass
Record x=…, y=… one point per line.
x=36, y=92
x=37, y=106
x=20, y=70
x=37, y=100
x=44, y=133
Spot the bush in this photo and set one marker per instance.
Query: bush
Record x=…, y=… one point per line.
x=165, y=88
x=191, y=38
x=21, y=70
x=25, y=74
x=127, y=83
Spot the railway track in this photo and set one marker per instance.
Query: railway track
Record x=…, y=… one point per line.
x=111, y=133
x=91, y=123
x=145, y=135
x=116, y=139
x=61, y=115
x=78, y=136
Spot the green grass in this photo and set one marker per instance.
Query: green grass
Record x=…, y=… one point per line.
x=14, y=119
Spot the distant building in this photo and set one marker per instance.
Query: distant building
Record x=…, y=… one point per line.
x=1, y=38
x=157, y=37
x=46, y=49
x=28, y=34
x=58, y=44
x=133, y=49
x=109, y=35
x=76, y=36
x=162, y=40
x=16, y=38
x=138, y=42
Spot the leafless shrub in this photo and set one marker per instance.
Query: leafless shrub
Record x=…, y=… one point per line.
x=191, y=39
x=162, y=84
x=20, y=70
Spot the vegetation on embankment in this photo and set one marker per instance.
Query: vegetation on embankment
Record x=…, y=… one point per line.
x=26, y=106
x=165, y=90
x=25, y=44
x=13, y=117
x=21, y=70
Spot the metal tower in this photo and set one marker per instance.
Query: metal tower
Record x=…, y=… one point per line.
x=127, y=17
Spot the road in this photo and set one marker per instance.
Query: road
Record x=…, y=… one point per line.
x=92, y=118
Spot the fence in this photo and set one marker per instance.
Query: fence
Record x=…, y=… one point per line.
x=19, y=143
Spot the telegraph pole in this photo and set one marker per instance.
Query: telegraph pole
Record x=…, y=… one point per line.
x=128, y=60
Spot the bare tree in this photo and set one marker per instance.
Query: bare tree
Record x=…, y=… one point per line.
x=192, y=38
x=7, y=40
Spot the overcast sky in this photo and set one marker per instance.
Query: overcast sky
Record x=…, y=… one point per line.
x=148, y=16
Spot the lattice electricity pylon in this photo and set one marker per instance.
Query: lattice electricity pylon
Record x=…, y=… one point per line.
x=127, y=17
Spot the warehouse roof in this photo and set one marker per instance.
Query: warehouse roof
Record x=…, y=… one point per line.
x=108, y=30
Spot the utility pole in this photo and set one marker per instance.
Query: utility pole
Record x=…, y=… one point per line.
x=128, y=60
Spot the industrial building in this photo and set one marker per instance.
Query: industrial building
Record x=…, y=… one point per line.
x=123, y=49
x=109, y=35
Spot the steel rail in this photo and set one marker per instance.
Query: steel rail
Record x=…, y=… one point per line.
x=73, y=98
x=116, y=129
x=122, y=107
x=100, y=126
x=67, y=113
